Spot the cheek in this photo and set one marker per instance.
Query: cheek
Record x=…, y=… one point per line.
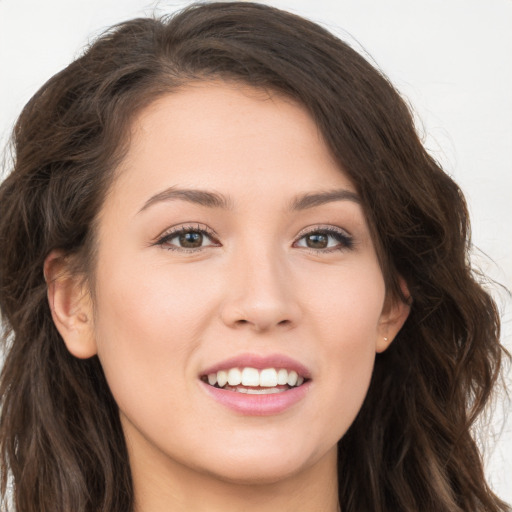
x=347, y=306
x=152, y=300
x=348, y=314
x=148, y=325
x=345, y=383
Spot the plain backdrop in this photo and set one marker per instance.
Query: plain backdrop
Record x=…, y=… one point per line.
x=451, y=59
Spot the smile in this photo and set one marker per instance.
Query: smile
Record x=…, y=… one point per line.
x=253, y=381
x=257, y=385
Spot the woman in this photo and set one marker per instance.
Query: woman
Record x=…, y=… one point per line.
x=234, y=279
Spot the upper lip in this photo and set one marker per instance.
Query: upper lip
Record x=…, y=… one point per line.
x=259, y=362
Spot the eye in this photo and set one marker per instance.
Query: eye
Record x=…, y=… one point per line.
x=187, y=238
x=325, y=240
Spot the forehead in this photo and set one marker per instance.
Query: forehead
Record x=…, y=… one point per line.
x=231, y=138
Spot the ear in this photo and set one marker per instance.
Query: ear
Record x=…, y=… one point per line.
x=393, y=317
x=71, y=305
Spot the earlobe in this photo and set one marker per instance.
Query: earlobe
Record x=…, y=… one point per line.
x=70, y=305
x=393, y=317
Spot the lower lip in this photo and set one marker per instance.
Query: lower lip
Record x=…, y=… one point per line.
x=258, y=405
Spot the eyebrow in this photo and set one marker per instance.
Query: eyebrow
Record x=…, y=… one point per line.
x=211, y=199
x=200, y=197
x=305, y=201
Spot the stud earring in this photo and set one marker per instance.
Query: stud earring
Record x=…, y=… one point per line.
x=385, y=339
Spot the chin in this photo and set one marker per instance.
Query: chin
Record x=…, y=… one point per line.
x=249, y=473
x=262, y=467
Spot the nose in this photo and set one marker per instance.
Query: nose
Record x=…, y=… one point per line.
x=261, y=295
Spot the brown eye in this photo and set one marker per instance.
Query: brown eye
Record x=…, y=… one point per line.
x=188, y=239
x=326, y=240
x=191, y=239
x=317, y=240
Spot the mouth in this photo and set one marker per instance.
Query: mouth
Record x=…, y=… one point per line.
x=253, y=381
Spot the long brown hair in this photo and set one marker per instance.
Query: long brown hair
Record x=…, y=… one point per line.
x=410, y=448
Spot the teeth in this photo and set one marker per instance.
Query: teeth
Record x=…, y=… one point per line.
x=268, y=378
x=250, y=377
x=253, y=391
x=268, y=391
x=282, y=377
x=292, y=378
x=234, y=377
x=222, y=378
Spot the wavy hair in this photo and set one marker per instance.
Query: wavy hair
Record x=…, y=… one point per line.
x=410, y=448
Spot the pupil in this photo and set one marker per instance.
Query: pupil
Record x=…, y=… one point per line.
x=191, y=240
x=317, y=241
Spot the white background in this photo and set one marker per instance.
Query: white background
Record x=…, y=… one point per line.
x=452, y=59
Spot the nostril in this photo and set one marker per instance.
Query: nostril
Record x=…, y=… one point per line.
x=261, y=325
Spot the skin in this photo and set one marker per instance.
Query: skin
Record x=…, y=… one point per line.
x=162, y=314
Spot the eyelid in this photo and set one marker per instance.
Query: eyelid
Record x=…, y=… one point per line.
x=346, y=242
x=323, y=227
x=174, y=231
x=344, y=238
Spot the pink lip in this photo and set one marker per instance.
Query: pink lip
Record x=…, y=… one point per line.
x=258, y=405
x=276, y=361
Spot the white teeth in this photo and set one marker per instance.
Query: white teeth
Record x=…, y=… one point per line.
x=254, y=391
x=268, y=378
x=222, y=378
x=292, y=378
x=250, y=377
x=267, y=391
x=234, y=377
x=282, y=377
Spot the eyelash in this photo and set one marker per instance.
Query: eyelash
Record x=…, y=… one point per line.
x=345, y=241
x=182, y=230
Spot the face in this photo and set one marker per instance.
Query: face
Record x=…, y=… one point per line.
x=232, y=246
